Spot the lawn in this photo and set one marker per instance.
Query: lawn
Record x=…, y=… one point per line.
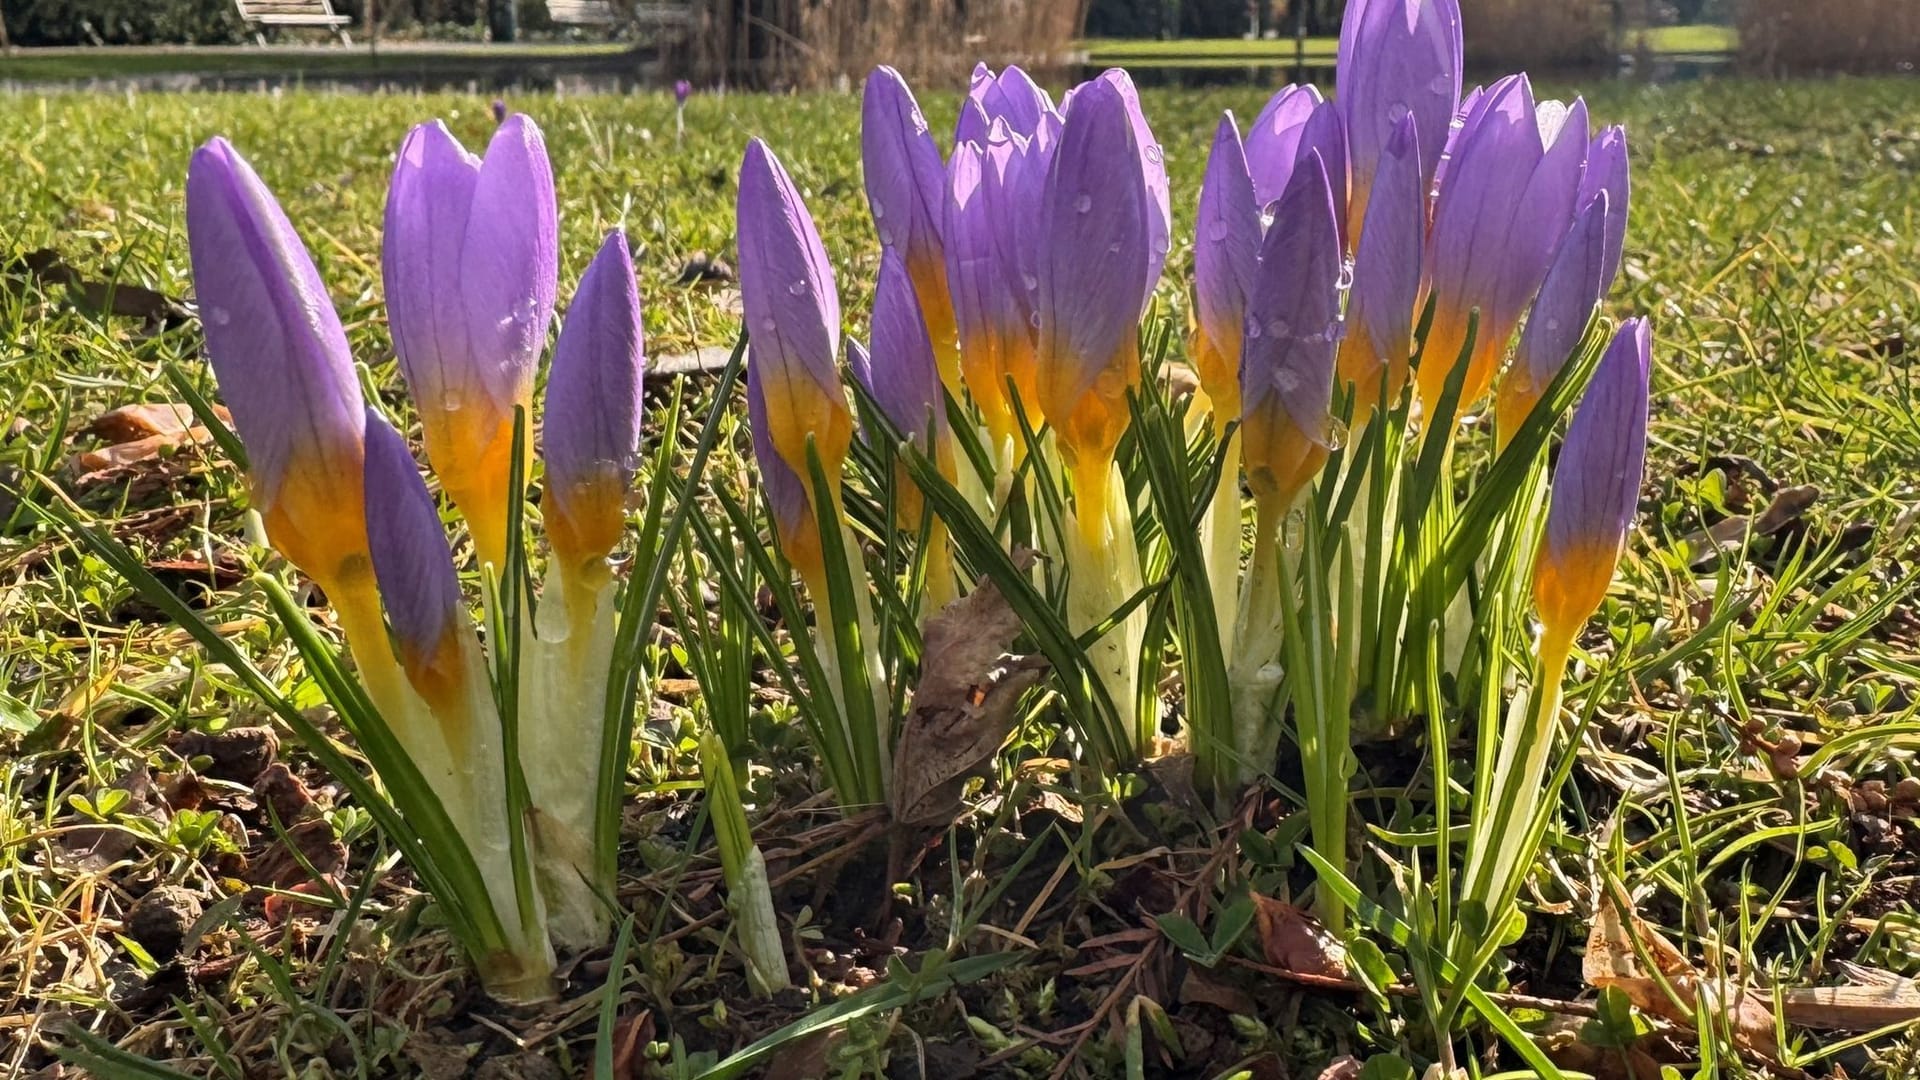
x=280, y=61
x=1691, y=40
x=1746, y=785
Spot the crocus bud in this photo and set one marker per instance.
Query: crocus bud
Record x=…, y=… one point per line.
x=979, y=272
x=906, y=189
x=1559, y=319
x=1273, y=140
x=281, y=359
x=471, y=264
x=1093, y=279
x=1012, y=96
x=900, y=375
x=1226, y=251
x=1607, y=171
x=1596, y=486
x=1153, y=172
x=591, y=428
x=414, y=569
x=499, y=111
x=682, y=90
x=1292, y=334
x=1506, y=202
x=793, y=321
x=1386, y=276
x=1399, y=60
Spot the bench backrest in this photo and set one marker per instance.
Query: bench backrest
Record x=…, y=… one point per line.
x=582, y=12
x=319, y=12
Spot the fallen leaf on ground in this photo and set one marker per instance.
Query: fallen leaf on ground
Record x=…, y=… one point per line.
x=1292, y=940
x=963, y=707
x=130, y=422
x=706, y=360
x=1876, y=998
x=1611, y=961
x=1789, y=505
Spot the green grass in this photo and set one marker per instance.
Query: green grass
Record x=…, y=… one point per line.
x=1775, y=240
x=357, y=61
x=1692, y=40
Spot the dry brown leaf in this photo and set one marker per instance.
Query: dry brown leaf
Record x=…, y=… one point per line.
x=1729, y=535
x=1344, y=1068
x=1292, y=940
x=1612, y=961
x=1203, y=989
x=963, y=707
x=1562, y=1041
x=1876, y=998
x=130, y=422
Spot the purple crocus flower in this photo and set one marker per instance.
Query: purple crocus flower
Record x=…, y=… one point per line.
x=1153, y=170
x=1596, y=486
x=1399, y=59
x=1607, y=171
x=682, y=90
x=793, y=384
x=1386, y=276
x=471, y=264
x=499, y=111
x=900, y=373
x=1292, y=336
x=906, y=188
x=1012, y=96
x=281, y=358
x=1559, y=318
x=1226, y=252
x=1507, y=199
x=414, y=568
x=591, y=428
x=1093, y=283
x=1295, y=123
x=981, y=275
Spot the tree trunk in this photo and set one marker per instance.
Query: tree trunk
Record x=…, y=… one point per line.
x=503, y=20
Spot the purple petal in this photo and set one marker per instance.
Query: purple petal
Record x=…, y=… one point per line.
x=1560, y=313
x=1153, y=168
x=1093, y=267
x=1398, y=59
x=1596, y=482
x=591, y=427
x=1607, y=171
x=904, y=176
x=1021, y=201
x=272, y=335
x=786, y=491
x=1273, y=142
x=510, y=261
x=1293, y=312
x=1226, y=247
x=1386, y=268
x=411, y=561
x=786, y=283
x=428, y=207
x=1325, y=133
x=1464, y=118
x=1487, y=175
x=973, y=125
x=1544, y=211
x=902, y=375
x=980, y=278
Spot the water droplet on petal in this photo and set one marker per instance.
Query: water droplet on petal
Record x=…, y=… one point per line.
x=1441, y=84
x=1252, y=331
x=1029, y=281
x=1345, y=280
x=798, y=288
x=879, y=211
x=1336, y=434
x=1153, y=153
x=1035, y=320
x=1217, y=230
x=1113, y=248
x=1553, y=324
x=1397, y=111
x=1278, y=328
x=1084, y=203
x=220, y=316
x=1293, y=531
x=450, y=402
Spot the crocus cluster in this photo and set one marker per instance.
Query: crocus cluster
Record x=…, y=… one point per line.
x=470, y=265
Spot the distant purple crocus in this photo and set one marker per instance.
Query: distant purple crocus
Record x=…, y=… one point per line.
x=682, y=90
x=1559, y=318
x=1399, y=59
x=1507, y=199
x=1386, y=277
x=1596, y=487
x=471, y=265
x=282, y=362
x=1607, y=171
x=1226, y=253
x=792, y=311
x=1093, y=282
x=499, y=111
x=906, y=188
x=1292, y=336
x=590, y=429
x=415, y=571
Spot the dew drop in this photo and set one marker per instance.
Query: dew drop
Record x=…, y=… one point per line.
x=1029, y=281
x=1553, y=324
x=1217, y=230
x=1113, y=248
x=1278, y=328
x=1084, y=203
x=1253, y=331
x=798, y=288
x=1336, y=434
x=1345, y=280
x=879, y=211
x=1397, y=111
x=1286, y=380
x=1153, y=153
x=1293, y=531
x=1441, y=84
x=220, y=316
x=450, y=402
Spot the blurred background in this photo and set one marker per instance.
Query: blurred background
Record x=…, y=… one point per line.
x=782, y=44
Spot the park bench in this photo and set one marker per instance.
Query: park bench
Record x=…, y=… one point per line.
x=583, y=12
x=261, y=14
